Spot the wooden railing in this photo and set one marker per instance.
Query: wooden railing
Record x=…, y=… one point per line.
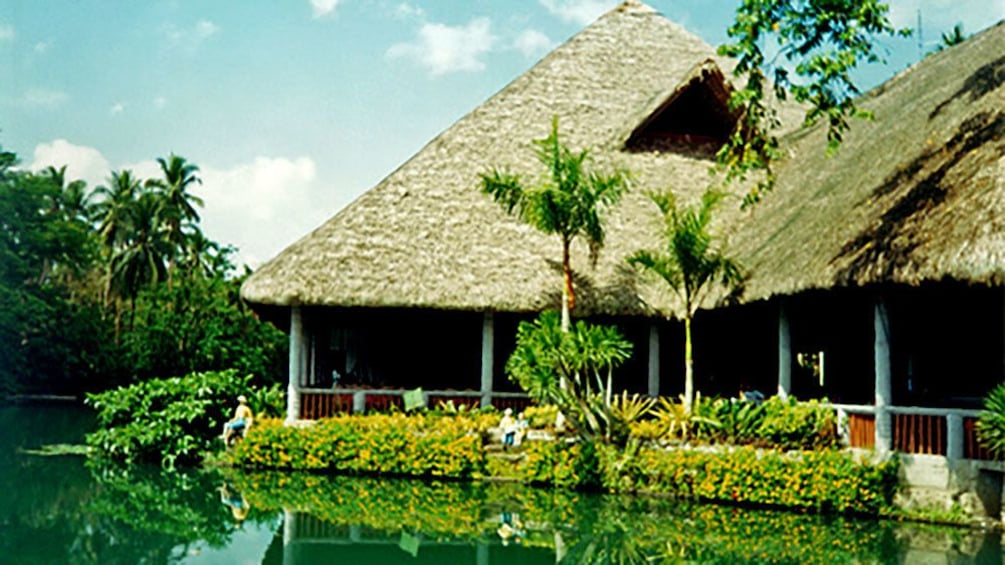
x=861, y=430
x=322, y=403
x=919, y=433
x=971, y=447
x=931, y=431
x=317, y=405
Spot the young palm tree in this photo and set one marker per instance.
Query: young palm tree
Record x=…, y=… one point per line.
x=689, y=263
x=566, y=203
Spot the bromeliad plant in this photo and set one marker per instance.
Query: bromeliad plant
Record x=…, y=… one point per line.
x=573, y=370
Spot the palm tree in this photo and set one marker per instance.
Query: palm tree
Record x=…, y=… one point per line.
x=566, y=203
x=113, y=209
x=178, y=204
x=688, y=264
x=141, y=261
x=952, y=37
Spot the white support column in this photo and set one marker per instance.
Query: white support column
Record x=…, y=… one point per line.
x=884, y=388
x=784, y=353
x=289, y=534
x=296, y=365
x=654, y=359
x=488, y=358
x=954, y=437
x=481, y=553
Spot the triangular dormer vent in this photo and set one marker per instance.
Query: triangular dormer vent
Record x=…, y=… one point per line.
x=695, y=120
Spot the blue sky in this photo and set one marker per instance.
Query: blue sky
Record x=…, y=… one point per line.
x=293, y=108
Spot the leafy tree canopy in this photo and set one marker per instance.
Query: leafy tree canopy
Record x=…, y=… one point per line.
x=805, y=49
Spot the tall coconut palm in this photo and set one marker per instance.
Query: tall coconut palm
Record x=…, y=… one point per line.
x=141, y=261
x=113, y=208
x=689, y=263
x=567, y=202
x=178, y=204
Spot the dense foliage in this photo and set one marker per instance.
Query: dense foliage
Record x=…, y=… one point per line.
x=117, y=284
x=991, y=424
x=384, y=444
x=172, y=421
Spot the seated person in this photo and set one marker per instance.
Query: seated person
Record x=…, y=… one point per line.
x=509, y=428
x=240, y=423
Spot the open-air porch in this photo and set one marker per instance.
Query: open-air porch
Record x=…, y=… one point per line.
x=906, y=368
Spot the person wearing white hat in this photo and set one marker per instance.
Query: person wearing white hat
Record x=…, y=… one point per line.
x=240, y=423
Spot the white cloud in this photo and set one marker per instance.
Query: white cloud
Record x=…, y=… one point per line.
x=406, y=10
x=117, y=108
x=531, y=42
x=321, y=8
x=443, y=49
x=261, y=206
x=160, y=103
x=41, y=47
x=578, y=11
x=142, y=170
x=81, y=162
x=43, y=98
x=6, y=32
x=189, y=37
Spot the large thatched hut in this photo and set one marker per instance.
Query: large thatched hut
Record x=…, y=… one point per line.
x=875, y=275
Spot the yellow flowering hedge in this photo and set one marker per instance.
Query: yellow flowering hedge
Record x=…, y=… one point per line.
x=424, y=445
x=385, y=444
x=818, y=481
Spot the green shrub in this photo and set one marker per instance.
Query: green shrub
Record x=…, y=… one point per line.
x=167, y=421
x=383, y=444
x=789, y=424
x=991, y=424
x=541, y=417
x=560, y=464
x=738, y=421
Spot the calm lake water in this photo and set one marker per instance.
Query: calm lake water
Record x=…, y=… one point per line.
x=58, y=509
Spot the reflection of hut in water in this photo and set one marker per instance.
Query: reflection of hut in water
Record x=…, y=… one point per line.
x=886, y=260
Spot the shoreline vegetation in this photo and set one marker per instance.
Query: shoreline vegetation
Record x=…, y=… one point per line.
x=771, y=454
x=459, y=447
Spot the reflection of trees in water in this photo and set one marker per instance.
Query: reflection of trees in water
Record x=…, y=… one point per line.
x=154, y=515
x=583, y=528
x=63, y=511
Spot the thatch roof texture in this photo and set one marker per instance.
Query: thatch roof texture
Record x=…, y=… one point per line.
x=916, y=194
x=426, y=236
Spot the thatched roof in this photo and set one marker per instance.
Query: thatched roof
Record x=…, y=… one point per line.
x=427, y=237
x=916, y=195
